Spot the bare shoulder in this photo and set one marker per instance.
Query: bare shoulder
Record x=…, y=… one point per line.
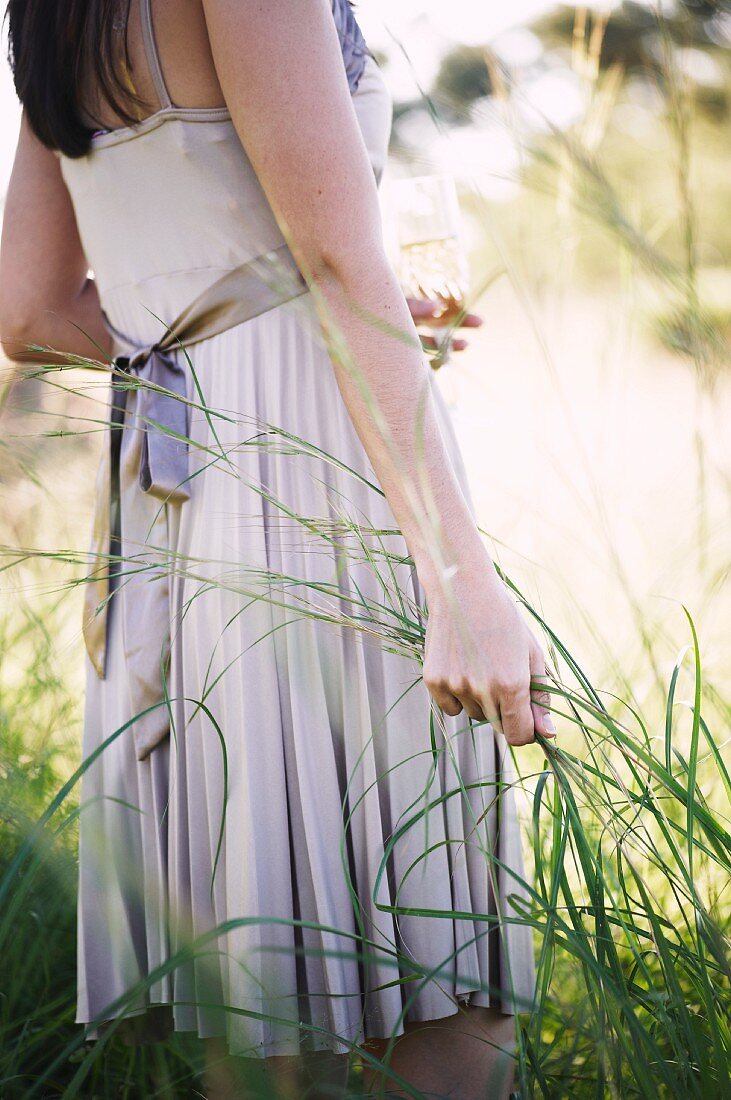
x=181, y=34
x=281, y=70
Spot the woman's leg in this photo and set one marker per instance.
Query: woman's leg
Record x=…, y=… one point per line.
x=222, y=1078
x=314, y=1076
x=469, y=1056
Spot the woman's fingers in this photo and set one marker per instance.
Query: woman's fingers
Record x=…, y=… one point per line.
x=517, y=715
x=421, y=309
x=467, y=320
x=430, y=343
x=505, y=686
x=540, y=700
x=429, y=310
x=444, y=699
x=470, y=320
x=471, y=706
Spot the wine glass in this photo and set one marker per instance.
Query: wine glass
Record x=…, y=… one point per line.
x=431, y=258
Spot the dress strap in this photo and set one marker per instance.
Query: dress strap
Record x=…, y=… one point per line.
x=153, y=58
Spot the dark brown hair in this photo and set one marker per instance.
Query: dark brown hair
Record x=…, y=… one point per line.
x=52, y=45
x=56, y=48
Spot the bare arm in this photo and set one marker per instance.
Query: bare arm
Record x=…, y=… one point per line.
x=43, y=270
x=281, y=72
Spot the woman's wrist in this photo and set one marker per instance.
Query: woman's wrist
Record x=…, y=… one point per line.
x=469, y=564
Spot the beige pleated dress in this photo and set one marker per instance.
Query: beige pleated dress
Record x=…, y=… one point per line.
x=255, y=877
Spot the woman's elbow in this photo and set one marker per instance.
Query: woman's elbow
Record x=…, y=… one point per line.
x=347, y=265
x=17, y=324
x=345, y=245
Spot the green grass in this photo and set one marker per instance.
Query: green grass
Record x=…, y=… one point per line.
x=629, y=848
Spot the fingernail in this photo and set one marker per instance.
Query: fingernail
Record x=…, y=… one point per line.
x=548, y=724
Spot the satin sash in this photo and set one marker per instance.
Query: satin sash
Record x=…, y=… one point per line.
x=138, y=483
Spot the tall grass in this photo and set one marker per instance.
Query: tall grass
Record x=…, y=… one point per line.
x=630, y=854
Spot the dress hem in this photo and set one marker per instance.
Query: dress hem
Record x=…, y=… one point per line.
x=166, y=1027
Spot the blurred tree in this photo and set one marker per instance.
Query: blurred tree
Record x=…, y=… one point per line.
x=632, y=38
x=633, y=34
x=633, y=28
x=462, y=78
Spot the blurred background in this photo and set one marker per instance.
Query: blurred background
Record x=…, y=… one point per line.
x=591, y=147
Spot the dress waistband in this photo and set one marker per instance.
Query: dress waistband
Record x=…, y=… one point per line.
x=155, y=405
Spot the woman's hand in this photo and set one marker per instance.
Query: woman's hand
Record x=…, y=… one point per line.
x=481, y=657
x=425, y=311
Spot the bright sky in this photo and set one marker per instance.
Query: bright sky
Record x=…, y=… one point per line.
x=425, y=27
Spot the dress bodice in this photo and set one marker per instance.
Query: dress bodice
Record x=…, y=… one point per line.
x=164, y=207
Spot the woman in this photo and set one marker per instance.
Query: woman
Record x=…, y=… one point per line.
x=294, y=744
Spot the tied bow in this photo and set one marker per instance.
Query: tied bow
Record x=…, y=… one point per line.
x=163, y=469
x=143, y=469
x=143, y=473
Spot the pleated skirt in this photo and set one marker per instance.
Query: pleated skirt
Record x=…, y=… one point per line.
x=284, y=870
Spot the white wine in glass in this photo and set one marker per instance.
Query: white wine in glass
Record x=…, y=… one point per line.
x=432, y=262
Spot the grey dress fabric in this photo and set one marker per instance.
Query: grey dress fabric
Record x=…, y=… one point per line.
x=145, y=463
x=257, y=875
x=352, y=42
